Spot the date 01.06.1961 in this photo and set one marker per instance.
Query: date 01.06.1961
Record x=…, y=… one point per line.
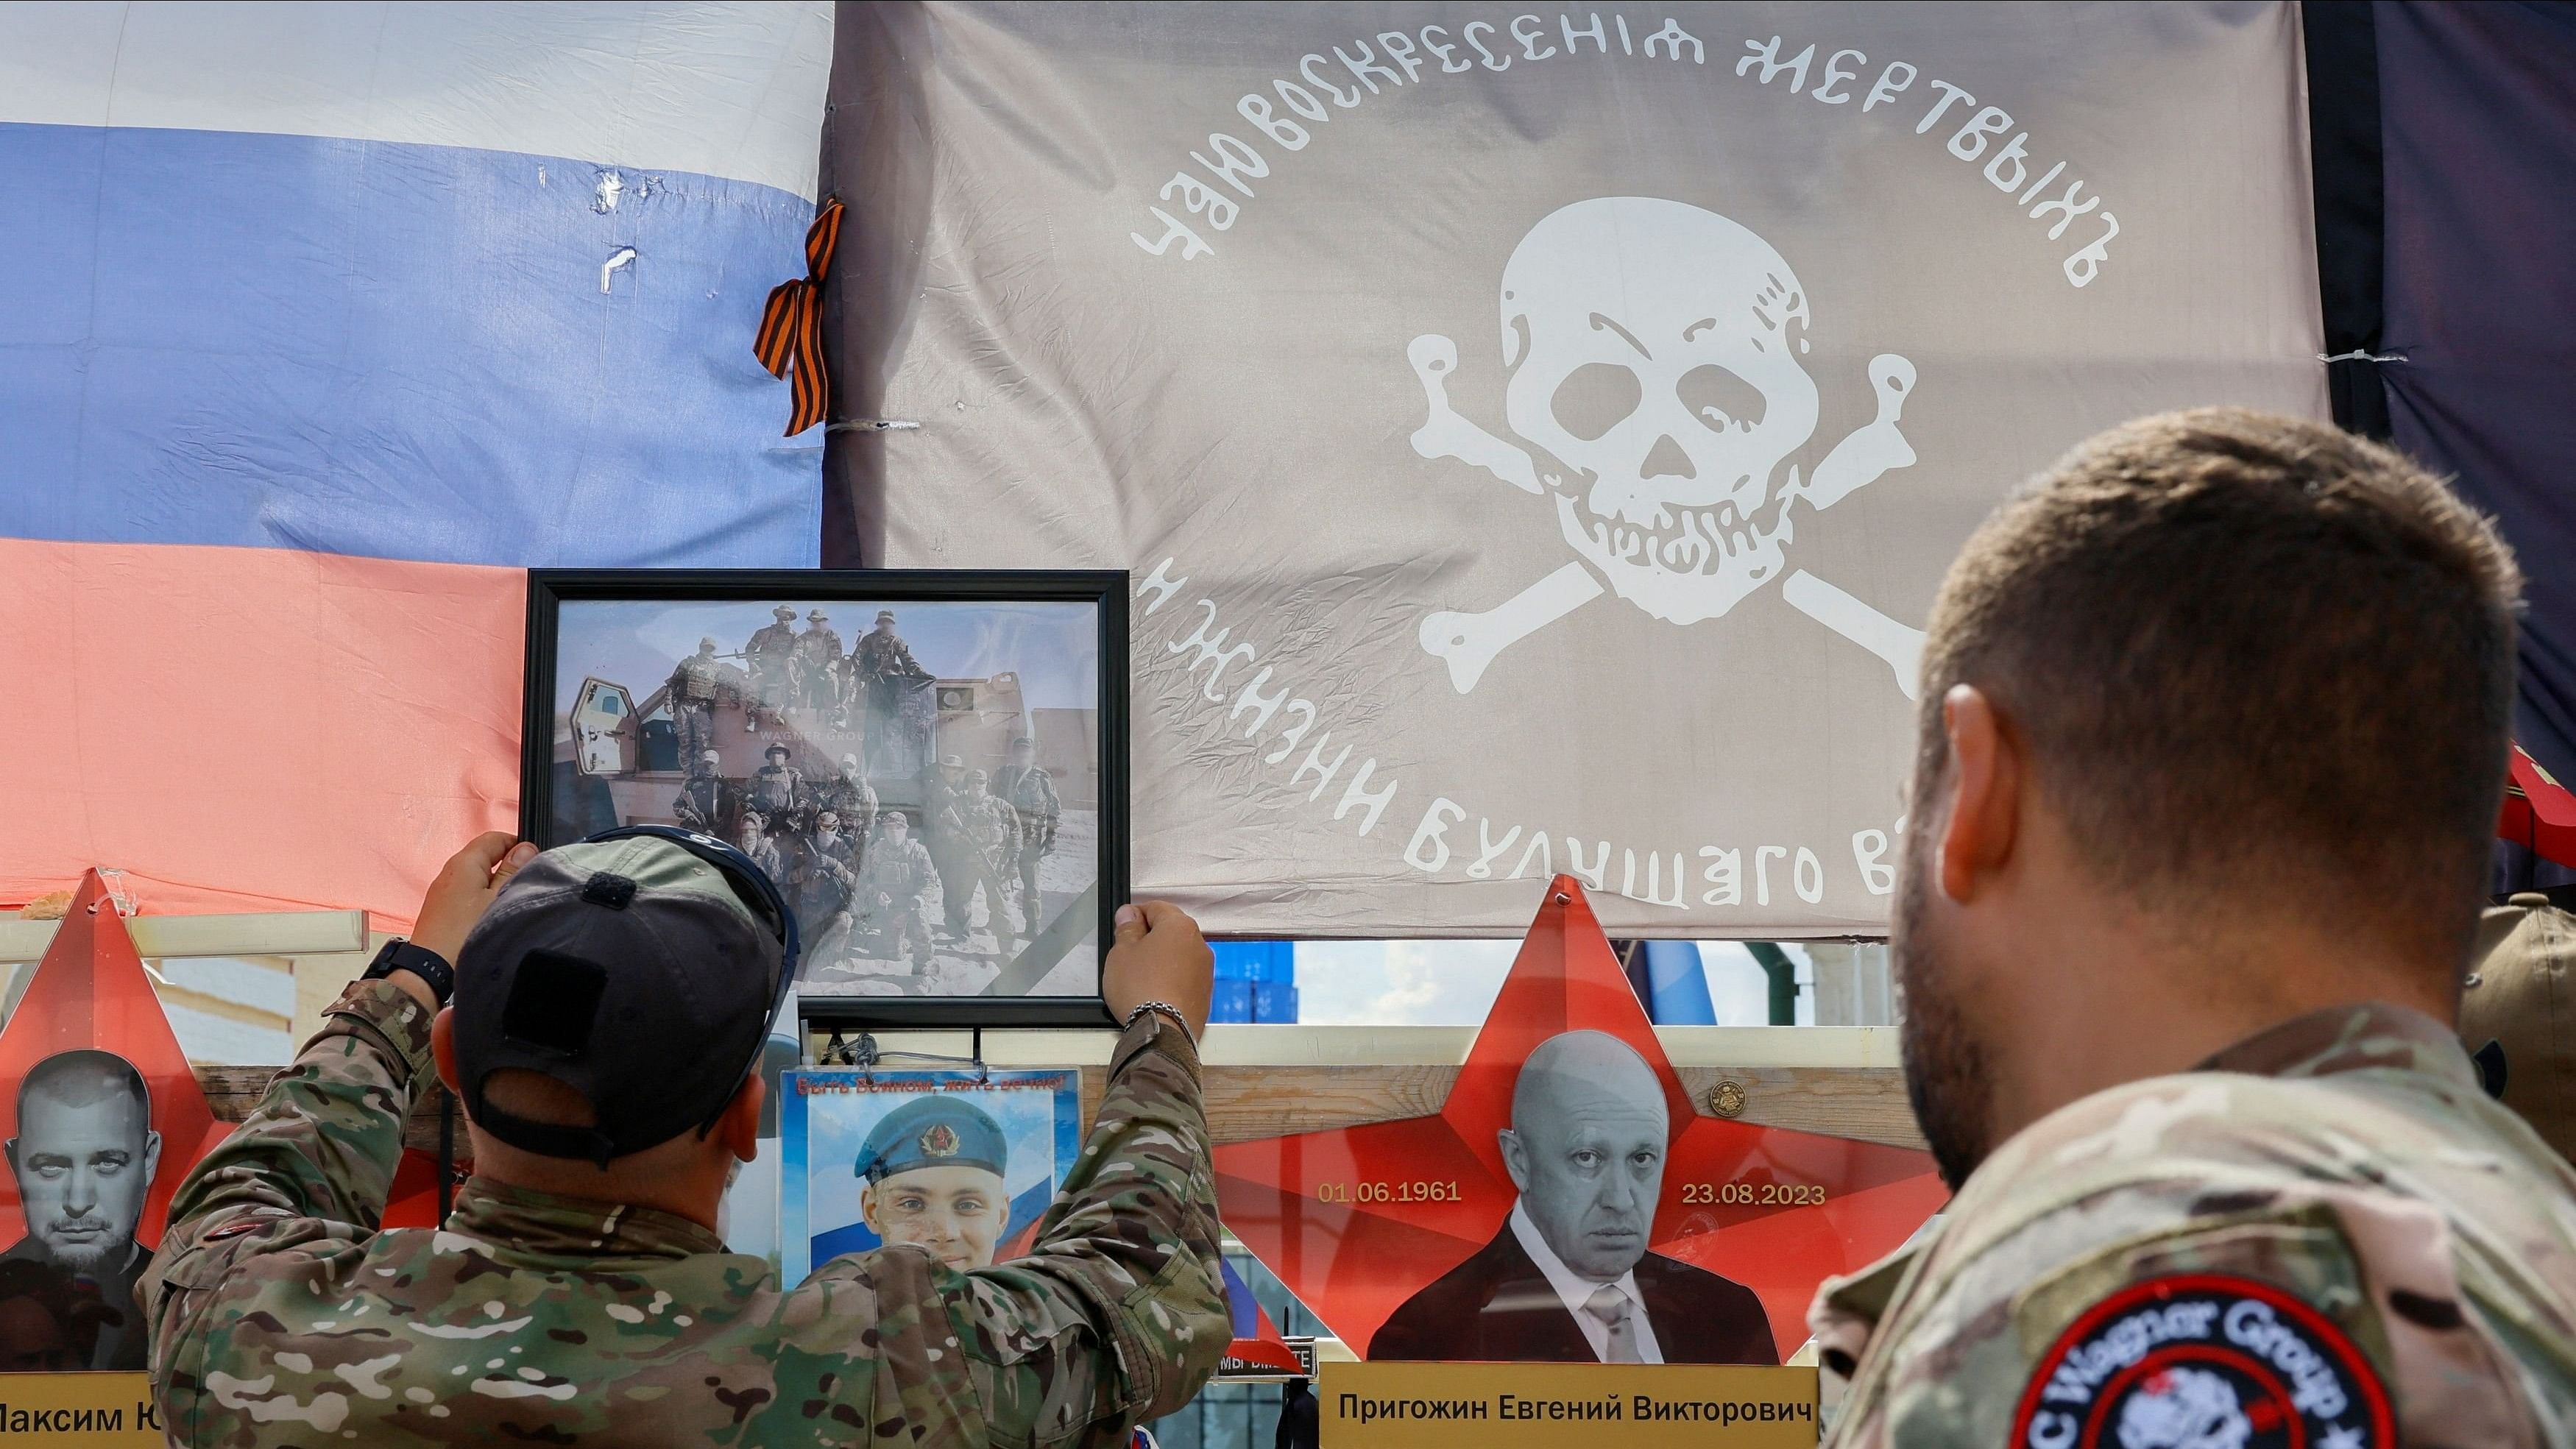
x=1388, y=1192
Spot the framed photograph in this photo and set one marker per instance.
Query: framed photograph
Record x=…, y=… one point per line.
x=962, y=1163
x=932, y=765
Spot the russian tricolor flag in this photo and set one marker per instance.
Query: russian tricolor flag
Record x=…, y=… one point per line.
x=317, y=323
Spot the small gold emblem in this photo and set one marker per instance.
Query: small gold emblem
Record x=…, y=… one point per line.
x=939, y=1140
x=1726, y=1099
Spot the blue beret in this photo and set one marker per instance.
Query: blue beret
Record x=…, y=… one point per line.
x=934, y=1131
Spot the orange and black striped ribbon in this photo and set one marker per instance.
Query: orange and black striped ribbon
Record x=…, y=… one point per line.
x=791, y=325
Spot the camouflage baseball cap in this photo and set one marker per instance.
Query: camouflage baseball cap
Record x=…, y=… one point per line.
x=629, y=970
x=2517, y=1018
x=934, y=1131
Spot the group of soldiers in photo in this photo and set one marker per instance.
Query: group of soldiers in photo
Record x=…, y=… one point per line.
x=782, y=669
x=858, y=871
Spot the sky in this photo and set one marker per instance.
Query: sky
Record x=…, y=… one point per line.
x=1055, y=647
x=1452, y=983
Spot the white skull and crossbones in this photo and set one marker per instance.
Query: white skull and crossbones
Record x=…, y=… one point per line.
x=1654, y=352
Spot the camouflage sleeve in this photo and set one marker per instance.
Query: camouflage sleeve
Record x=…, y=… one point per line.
x=1117, y=1314
x=324, y=1141
x=313, y=1162
x=2154, y=1262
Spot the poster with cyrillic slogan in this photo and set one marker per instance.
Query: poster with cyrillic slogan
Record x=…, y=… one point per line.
x=1537, y=434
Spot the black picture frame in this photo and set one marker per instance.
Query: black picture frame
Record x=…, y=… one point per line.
x=1104, y=590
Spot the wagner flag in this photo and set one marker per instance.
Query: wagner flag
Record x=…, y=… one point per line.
x=1537, y=434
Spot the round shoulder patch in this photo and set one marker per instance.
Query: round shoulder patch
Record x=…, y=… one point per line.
x=2204, y=1361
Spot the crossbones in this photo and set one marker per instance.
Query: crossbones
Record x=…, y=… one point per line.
x=1653, y=353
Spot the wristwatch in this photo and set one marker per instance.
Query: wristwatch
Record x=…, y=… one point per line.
x=401, y=955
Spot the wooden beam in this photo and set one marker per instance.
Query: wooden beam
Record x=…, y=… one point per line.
x=1249, y=1102
x=250, y=933
x=207, y=1003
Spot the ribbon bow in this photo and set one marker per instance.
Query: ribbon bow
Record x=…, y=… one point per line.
x=791, y=324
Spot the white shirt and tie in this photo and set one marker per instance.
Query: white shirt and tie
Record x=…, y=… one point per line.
x=1611, y=1315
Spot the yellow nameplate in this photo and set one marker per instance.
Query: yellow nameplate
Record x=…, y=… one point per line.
x=1551, y=1405
x=80, y=1411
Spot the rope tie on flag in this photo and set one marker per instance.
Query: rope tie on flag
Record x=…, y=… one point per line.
x=791, y=324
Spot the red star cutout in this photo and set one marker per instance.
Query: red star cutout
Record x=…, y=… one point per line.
x=1310, y=1206
x=90, y=991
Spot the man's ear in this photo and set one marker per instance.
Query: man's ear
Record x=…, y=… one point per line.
x=1986, y=781
x=868, y=1208
x=442, y=1047
x=739, y=1127
x=151, y=1156
x=1515, y=1158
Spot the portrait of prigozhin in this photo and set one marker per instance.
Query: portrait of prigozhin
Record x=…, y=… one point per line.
x=960, y=1163
x=923, y=777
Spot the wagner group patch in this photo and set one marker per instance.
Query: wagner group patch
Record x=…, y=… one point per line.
x=2204, y=1361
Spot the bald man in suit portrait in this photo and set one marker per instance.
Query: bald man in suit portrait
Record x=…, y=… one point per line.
x=1568, y=1279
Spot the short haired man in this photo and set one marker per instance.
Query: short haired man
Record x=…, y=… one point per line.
x=84, y=1156
x=2211, y=749
x=936, y=1170
x=1569, y=1277
x=609, y=1010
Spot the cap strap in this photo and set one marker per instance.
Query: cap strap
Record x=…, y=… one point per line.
x=546, y=1139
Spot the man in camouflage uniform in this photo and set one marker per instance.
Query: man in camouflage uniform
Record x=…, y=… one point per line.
x=818, y=659
x=771, y=655
x=998, y=844
x=891, y=882
x=850, y=796
x=879, y=662
x=705, y=802
x=579, y=1293
x=751, y=836
x=882, y=654
x=949, y=817
x=693, y=700
x=825, y=877
x=777, y=790
x=1031, y=792
x=2211, y=749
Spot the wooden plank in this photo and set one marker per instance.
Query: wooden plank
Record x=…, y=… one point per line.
x=250, y=933
x=207, y=1003
x=1249, y=1102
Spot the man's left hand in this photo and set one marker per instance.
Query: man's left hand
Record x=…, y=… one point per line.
x=462, y=892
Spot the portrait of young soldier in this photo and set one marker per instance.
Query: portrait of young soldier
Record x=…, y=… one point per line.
x=935, y=1171
x=83, y=1157
x=2211, y=750
x=1569, y=1277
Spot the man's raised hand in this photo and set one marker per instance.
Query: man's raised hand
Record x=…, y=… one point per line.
x=464, y=890
x=1159, y=955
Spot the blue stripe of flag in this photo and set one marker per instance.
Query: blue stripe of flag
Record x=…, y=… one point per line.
x=393, y=350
